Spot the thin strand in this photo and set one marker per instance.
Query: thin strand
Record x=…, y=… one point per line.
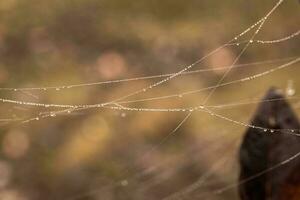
x=222, y=190
x=279, y=40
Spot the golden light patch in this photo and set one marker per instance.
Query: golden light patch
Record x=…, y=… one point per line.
x=85, y=144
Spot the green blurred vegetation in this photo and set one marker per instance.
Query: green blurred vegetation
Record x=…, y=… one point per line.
x=84, y=155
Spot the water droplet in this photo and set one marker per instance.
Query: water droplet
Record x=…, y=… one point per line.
x=123, y=114
x=290, y=90
x=251, y=41
x=265, y=130
x=272, y=131
x=124, y=183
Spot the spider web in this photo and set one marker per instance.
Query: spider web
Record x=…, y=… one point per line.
x=128, y=104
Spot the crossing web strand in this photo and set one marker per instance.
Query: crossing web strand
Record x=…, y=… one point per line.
x=200, y=181
x=179, y=95
x=274, y=167
x=295, y=132
x=235, y=60
x=225, y=74
x=241, y=53
x=184, y=193
x=219, y=191
x=275, y=41
x=219, y=85
x=248, y=78
x=71, y=108
x=220, y=82
x=197, y=185
x=258, y=23
x=209, y=69
x=132, y=102
x=188, y=110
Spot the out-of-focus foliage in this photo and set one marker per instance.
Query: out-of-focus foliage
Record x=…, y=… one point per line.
x=108, y=154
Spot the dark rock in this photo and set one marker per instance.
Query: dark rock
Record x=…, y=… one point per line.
x=262, y=150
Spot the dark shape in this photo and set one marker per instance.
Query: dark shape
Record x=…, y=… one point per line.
x=261, y=150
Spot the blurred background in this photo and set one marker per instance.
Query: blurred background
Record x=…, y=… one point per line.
x=102, y=153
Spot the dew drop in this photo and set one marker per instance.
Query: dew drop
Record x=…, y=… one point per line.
x=290, y=90
x=124, y=183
